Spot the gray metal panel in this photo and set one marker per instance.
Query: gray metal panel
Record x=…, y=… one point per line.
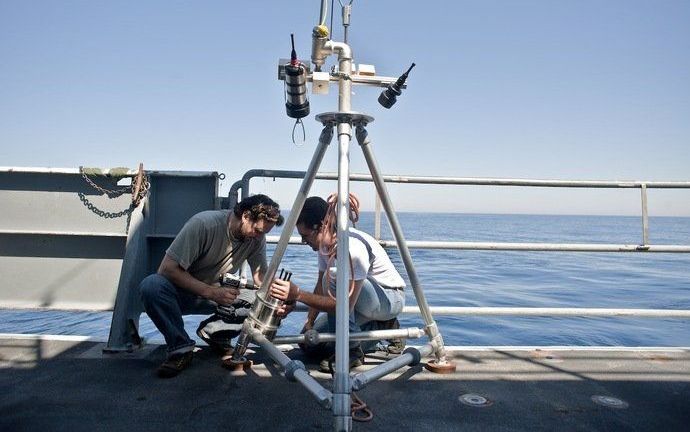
x=56, y=252
x=61, y=246
x=157, y=247
x=51, y=182
x=59, y=283
x=51, y=202
x=176, y=199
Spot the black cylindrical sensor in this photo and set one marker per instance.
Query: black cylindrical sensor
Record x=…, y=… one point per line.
x=389, y=96
x=297, y=104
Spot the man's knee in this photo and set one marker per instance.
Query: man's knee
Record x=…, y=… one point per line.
x=152, y=286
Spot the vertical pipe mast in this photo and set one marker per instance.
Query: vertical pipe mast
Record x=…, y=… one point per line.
x=321, y=49
x=341, y=385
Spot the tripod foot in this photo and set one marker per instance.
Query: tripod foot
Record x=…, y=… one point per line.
x=237, y=365
x=444, y=367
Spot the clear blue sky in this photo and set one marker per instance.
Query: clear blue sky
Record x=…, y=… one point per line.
x=519, y=89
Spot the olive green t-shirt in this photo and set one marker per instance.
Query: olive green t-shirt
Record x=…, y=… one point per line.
x=206, y=248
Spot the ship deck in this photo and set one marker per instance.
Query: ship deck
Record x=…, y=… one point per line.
x=68, y=384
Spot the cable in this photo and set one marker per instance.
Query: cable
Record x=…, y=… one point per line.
x=324, y=12
x=332, y=9
x=359, y=410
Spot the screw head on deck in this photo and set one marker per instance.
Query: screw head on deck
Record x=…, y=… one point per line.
x=475, y=400
x=609, y=401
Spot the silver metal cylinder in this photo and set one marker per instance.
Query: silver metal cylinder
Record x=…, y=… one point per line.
x=318, y=51
x=347, y=12
x=263, y=317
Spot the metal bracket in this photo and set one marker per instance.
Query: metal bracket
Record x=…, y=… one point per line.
x=330, y=118
x=293, y=367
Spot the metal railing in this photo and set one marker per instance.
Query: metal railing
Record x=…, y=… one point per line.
x=243, y=185
x=543, y=312
x=644, y=246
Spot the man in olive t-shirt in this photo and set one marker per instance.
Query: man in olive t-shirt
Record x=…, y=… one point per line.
x=209, y=245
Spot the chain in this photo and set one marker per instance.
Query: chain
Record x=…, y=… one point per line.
x=104, y=214
x=112, y=193
x=139, y=189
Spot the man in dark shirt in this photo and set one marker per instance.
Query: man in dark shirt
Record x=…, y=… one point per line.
x=209, y=245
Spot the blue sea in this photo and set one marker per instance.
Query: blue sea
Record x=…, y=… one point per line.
x=496, y=278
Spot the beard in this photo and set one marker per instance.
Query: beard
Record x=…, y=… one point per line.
x=237, y=234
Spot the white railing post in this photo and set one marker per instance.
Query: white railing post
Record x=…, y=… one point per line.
x=377, y=218
x=645, y=216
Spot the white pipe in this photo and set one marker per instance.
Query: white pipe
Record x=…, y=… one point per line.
x=645, y=216
x=480, y=181
x=547, y=312
x=559, y=247
x=563, y=247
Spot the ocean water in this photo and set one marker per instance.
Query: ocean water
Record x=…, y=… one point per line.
x=496, y=278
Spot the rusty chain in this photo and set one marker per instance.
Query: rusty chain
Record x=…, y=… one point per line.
x=112, y=193
x=139, y=189
x=104, y=214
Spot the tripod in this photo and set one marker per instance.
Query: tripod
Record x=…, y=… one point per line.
x=262, y=323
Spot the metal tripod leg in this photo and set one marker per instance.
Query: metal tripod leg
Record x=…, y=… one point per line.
x=442, y=364
x=264, y=307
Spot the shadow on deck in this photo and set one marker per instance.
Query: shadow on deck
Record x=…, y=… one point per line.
x=63, y=385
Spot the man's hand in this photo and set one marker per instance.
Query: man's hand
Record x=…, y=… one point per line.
x=284, y=290
x=285, y=309
x=224, y=296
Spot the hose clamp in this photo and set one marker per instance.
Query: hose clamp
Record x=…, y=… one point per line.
x=292, y=367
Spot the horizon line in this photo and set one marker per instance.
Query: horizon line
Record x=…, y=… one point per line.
x=383, y=213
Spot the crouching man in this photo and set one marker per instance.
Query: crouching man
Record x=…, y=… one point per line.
x=209, y=245
x=376, y=295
